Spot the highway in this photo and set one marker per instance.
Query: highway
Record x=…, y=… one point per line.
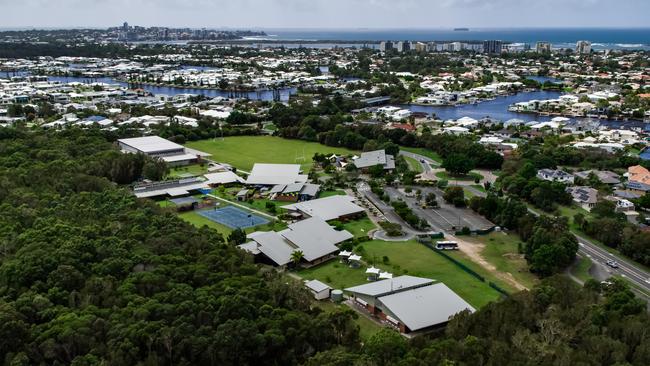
x=634, y=273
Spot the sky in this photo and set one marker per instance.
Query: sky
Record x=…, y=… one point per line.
x=250, y=14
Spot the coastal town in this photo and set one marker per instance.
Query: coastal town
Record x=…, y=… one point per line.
x=402, y=186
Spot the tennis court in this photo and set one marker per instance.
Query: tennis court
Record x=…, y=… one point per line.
x=233, y=217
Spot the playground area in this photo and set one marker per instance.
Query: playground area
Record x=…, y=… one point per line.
x=233, y=217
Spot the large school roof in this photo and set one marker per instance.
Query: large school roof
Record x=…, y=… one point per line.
x=328, y=208
x=151, y=144
x=389, y=286
x=314, y=237
x=223, y=178
x=377, y=157
x=426, y=306
x=272, y=174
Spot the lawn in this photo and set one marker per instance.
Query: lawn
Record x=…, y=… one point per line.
x=414, y=165
x=502, y=251
x=199, y=221
x=360, y=227
x=244, y=151
x=424, y=152
x=256, y=204
x=469, y=177
x=581, y=269
x=479, y=188
x=180, y=171
x=409, y=258
x=367, y=327
x=338, y=192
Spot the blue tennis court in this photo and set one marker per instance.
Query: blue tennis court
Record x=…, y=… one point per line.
x=233, y=217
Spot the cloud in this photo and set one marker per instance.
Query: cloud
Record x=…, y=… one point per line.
x=327, y=13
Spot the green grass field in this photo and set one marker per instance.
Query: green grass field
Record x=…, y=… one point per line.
x=581, y=269
x=413, y=259
x=502, y=251
x=180, y=171
x=424, y=152
x=244, y=151
x=360, y=227
x=367, y=327
x=338, y=192
x=199, y=221
x=414, y=165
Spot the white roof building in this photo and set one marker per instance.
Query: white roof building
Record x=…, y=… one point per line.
x=223, y=178
x=409, y=303
x=328, y=208
x=273, y=174
x=372, y=158
x=313, y=237
x=155, y=146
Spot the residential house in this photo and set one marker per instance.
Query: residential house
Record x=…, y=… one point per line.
x=585, y=197
x=555, y=176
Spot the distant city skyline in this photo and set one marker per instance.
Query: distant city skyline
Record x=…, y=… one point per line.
x=326, y=14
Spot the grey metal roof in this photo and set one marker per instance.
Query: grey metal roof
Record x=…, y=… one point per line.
x=310, y=189
x=274, y=246
x=272, y=174
x=425, y=306
x=151, y=144
x=317, y=286
x=390, y=286
x=328, y=208
x=371, y=158
x=314, y=237
x=277, y=188
x=316, y=227
x=250, y=247
x=223, y=178
x=293, y=187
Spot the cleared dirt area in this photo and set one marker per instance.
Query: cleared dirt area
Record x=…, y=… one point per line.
x=473, y=250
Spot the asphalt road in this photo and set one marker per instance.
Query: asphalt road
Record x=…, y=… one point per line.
x=638, y=276
x=423, y=160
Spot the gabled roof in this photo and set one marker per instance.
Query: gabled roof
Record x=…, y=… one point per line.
x=372, y=158
x=426, y=306
x=317, y=286
x=223, y=178
x=272, y=174
x=274, y=246
x=385, y=287
x=314, y=237
x=150, y=144
x=328, y=208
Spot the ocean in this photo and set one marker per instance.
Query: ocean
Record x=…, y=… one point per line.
x=601, y=38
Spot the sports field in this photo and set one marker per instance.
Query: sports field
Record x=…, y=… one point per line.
x=413, y=259
x=244, y=151
x=233, y=217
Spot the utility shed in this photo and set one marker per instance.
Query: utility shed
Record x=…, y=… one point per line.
x=320, y=290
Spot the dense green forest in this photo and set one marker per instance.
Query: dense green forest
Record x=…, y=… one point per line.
x=91, y=276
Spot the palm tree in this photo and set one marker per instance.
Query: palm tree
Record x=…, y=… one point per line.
x=297, y=256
